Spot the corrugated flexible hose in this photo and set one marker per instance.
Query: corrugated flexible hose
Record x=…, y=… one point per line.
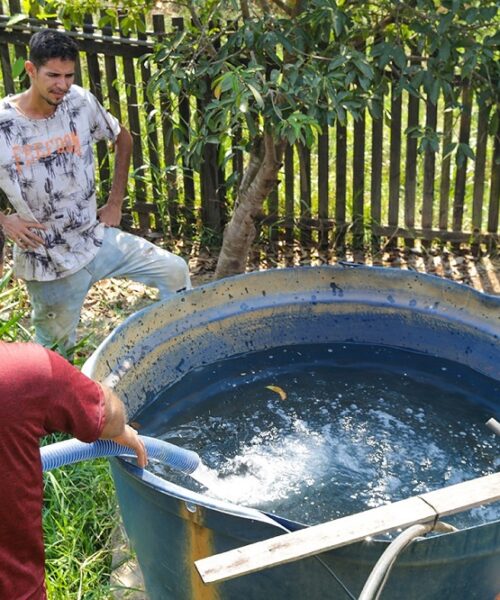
x=72, y=451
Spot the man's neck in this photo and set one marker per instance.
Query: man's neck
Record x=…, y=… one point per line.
x=32, y=106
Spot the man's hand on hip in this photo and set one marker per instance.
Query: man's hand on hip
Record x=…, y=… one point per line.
x=20, y=231
x=110, y=215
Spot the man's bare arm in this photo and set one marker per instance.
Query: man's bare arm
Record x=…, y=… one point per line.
x=111, y=213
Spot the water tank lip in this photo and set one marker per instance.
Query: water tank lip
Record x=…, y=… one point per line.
x=442, y=286
x=180, y=493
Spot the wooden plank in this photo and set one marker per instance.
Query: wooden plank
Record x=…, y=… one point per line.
x=386, y=231
x=273, y=210
x=461, y=173
x=347, y=530
x=433, y=234
x=172, y=208
x=20, y=48
x=112, y=80
x=151, y=127
x=358, y=183
x=395, y=159
x=340, y=185
x=19, y=36
x=305, y=192
x=8, y=80
x=184, y=119
x=377, y=160
x=210, y=182
x=96, y=89
x=479, y=170
x=135, y=130
x=429, y=168
x=289, y=195
x=494, y=203
x=411, y=163
x=323, y=170
x=376, y=177
x=445, y=181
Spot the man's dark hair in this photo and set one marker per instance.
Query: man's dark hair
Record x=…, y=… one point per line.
x=51, y=43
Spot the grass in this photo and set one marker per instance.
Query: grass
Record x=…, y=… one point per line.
x=80, y=510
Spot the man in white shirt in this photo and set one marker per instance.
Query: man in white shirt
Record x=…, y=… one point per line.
x=62, y=243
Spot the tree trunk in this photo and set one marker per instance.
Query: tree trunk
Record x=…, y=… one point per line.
x=258, y=181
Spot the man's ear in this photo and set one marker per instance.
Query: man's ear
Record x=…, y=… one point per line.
x=30, y=68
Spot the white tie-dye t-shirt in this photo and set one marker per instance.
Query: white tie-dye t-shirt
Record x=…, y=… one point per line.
x=47, y=171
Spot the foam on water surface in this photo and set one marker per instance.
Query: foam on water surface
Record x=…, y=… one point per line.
x=313, y=433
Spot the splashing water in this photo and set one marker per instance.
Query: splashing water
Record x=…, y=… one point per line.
x=355, y=427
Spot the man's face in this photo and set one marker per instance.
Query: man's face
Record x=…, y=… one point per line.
x=52, y=80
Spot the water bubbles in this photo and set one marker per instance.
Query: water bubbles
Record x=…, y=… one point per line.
x=352, y=433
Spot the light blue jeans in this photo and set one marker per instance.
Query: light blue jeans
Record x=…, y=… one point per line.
x=56, y=305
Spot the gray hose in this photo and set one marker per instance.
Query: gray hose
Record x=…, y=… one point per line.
x=71, y=451
x=380, y=572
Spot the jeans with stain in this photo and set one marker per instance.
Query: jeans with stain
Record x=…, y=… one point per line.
x=56, y=305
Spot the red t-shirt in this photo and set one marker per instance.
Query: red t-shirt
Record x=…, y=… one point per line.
x=40, y=393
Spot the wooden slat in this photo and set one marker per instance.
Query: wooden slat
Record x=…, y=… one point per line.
x=210, y=182
x=8, y=81
x=19, y=36
x=168, y=147
x=347, y=530
x=377, y=158
x=494, y=204
x=358, y=182
x=289, y=194
x=444, y=186
x=461, y=174
x=151, y=127
x=323, y=170
x=20, y=48
x=395, y=159
x=340, y=185
x=479, y=169
x=135, y=129
x=185, y=118
x=305, y=192
x=273, y=210
x=433, y=234
x=429, y=168
x=96, y=88
x=411, y=163
x=376, y=176
x=386, y=231
x=112, y=83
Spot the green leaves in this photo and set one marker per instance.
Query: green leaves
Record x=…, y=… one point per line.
x=18, y=67
x=298, y=127
x=333, y=60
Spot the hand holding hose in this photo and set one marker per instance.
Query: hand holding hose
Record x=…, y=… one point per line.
x=131, y=439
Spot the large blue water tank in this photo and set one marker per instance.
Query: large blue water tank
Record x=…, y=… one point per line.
x=170, y=527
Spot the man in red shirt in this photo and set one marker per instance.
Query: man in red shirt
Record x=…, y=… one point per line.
x=40, y=393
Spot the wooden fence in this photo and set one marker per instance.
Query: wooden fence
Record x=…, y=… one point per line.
x=362, y=182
